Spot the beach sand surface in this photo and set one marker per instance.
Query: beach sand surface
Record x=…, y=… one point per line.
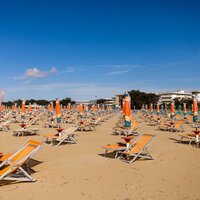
x=80, y=171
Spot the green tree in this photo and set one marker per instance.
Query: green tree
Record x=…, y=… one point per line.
x=141, y=98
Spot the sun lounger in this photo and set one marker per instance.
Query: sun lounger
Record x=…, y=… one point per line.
x=190, y=137
x=131, y=131
x=11, y=167
x=26, y=130
x=5, y=126
x=178, y=127
x=66, y=135
x=163, y=127
x=139, y=149
x=116, y=148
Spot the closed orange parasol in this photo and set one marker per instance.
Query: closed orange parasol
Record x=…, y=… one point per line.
x=172, y=108
x=127, y=110
x=58, y=115
x=195, y=110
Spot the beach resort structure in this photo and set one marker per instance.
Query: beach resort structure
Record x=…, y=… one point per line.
x=167, y=97
x=108, y=101
x=196, y=94
x=119, y=98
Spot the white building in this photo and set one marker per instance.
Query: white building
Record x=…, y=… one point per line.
x=167, y=97
x=196, y=94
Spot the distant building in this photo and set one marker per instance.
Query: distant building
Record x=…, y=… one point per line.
x=196, y=94
x=118, y=100
x=85, y=102
x=110, y=101
x=167, y=97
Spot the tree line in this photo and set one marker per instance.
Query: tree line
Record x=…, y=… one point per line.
x=41, y=102
x=138, y=99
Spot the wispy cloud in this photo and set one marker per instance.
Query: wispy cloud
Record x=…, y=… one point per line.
x=71, y=70
x=119, y=69
x=68, y=70
x=117, y=72
x=119, y=66
x=34, y=73
x=75, y=90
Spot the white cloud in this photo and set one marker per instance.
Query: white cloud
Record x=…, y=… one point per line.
x=33, y=73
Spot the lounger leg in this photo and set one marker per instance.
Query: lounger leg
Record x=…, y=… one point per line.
x=106, y=151
x=134, y=158
x=116, y=154
x=148, y=155
x=28, y=177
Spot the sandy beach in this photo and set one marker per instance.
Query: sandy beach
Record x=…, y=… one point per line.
x=80, y=171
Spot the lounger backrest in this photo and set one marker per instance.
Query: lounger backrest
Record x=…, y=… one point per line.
x=143, y=141
x=21, y=156
x=180, y=121
x=67, y=132
x=28, y=148
x=135, y=125
x=98, y=119
x=5, y=123
x=177, y=116
x=178, y=125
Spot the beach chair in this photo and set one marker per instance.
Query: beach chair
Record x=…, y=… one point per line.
x=92, y=124
x=12, y=167
x=4, y=156
x=66, y=136
x=5, y=126
x=164, y=127
x=26, y=130
x=177, y=126
x=190, y=137
x=188, y=119
x=118, y=147
x=139, y=149
x=132, y=130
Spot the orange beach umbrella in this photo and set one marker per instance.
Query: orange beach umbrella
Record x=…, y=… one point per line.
x=30, y=108
x=93, y=108
x=123, y=106
x=51, y=107
x=58, y=115
x=195, y=110
x=69, y=107
x=23, y=107
x=127, y=109
x=184, y=108
x=172, y=108
x=151, y=107
x=157, y=108
x=80, y=108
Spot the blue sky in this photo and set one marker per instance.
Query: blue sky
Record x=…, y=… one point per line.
x=82, y=49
